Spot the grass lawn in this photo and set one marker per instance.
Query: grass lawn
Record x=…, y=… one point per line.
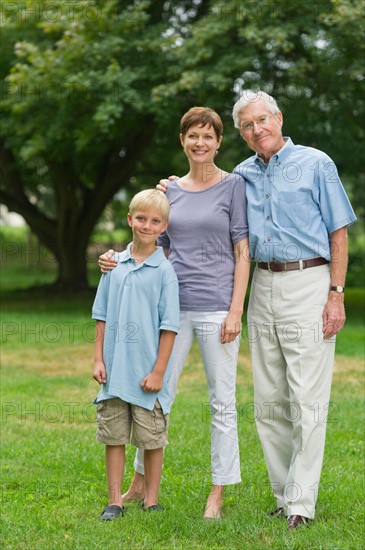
x=52, y=469
x=53, y=480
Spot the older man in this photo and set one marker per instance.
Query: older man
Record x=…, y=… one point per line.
x=298, y=213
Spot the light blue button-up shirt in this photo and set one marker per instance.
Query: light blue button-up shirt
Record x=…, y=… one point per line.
x=136, y=301
x=293, y=203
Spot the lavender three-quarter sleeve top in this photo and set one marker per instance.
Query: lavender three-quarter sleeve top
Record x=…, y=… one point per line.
x=202, y=231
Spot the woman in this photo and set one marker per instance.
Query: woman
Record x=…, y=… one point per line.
x=207, y=244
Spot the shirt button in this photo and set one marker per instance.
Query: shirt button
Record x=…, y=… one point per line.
x=268, y=218
x=269, y=238
x=267, y=196
x=268, y=175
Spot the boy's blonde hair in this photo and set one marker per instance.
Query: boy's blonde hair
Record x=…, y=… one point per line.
x=150, y=198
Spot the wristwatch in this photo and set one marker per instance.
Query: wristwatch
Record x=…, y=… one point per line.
x=338, y=288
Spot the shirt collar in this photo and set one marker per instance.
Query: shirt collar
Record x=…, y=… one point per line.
x=154, y=260
x=281, y=155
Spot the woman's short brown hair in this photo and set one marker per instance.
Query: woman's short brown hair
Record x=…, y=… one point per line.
x=201, y=116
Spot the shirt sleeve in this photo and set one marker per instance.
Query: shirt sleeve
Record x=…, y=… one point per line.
x=335, y=206
x=238, y=210
x=168, y=307
x=100, y=306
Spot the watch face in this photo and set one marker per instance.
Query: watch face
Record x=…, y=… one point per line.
x=337, y=288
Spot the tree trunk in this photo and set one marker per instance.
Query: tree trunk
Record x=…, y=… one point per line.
x=72, y=268
x=78, y=208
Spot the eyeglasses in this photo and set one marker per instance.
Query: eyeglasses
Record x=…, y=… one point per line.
x=261, y=121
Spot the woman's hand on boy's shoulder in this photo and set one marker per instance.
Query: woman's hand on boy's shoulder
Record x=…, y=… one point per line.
x=106, y=261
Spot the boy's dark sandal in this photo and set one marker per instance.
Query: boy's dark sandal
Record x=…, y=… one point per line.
x=153, y=508
x=111, y=512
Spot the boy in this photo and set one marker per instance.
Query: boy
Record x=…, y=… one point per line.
x=137, y=317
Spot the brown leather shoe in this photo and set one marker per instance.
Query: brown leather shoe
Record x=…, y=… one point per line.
x=294, y=521
x=278, y=513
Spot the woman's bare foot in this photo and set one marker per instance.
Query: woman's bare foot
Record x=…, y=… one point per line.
x=213, y=508
x=136, y=489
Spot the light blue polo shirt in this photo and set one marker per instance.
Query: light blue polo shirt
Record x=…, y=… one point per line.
x=293, y=203
x=136, y=301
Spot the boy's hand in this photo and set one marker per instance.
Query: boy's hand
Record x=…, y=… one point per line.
x=152, y=382
x=106, y=261
x=164, y=184
x=99, y=373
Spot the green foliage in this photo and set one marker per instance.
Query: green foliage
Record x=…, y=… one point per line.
x=355, y=274
x=308, y=55
x=77, y=83
x=92, y=93
x=77, y=113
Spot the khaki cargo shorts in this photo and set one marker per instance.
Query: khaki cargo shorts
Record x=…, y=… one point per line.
x=119, y=423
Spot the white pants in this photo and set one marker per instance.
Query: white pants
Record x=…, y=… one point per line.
x=220, y=364
x=292, y=370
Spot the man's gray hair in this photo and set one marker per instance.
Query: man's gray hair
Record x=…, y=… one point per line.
x=249, y=96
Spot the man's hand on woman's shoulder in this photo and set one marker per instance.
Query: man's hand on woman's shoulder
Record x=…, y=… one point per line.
x=164, y=184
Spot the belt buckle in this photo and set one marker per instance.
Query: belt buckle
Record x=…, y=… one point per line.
x=269, y=268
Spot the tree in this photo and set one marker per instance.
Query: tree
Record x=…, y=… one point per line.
x=93, y=91
x=77, y=112
x=309, y=55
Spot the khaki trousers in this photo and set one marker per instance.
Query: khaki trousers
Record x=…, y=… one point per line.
x=292, y=371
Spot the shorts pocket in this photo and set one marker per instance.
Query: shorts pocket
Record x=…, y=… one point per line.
x=159, y=419
x=100, y=407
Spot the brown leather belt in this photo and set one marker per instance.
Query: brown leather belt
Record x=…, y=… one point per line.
x=292, y=266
